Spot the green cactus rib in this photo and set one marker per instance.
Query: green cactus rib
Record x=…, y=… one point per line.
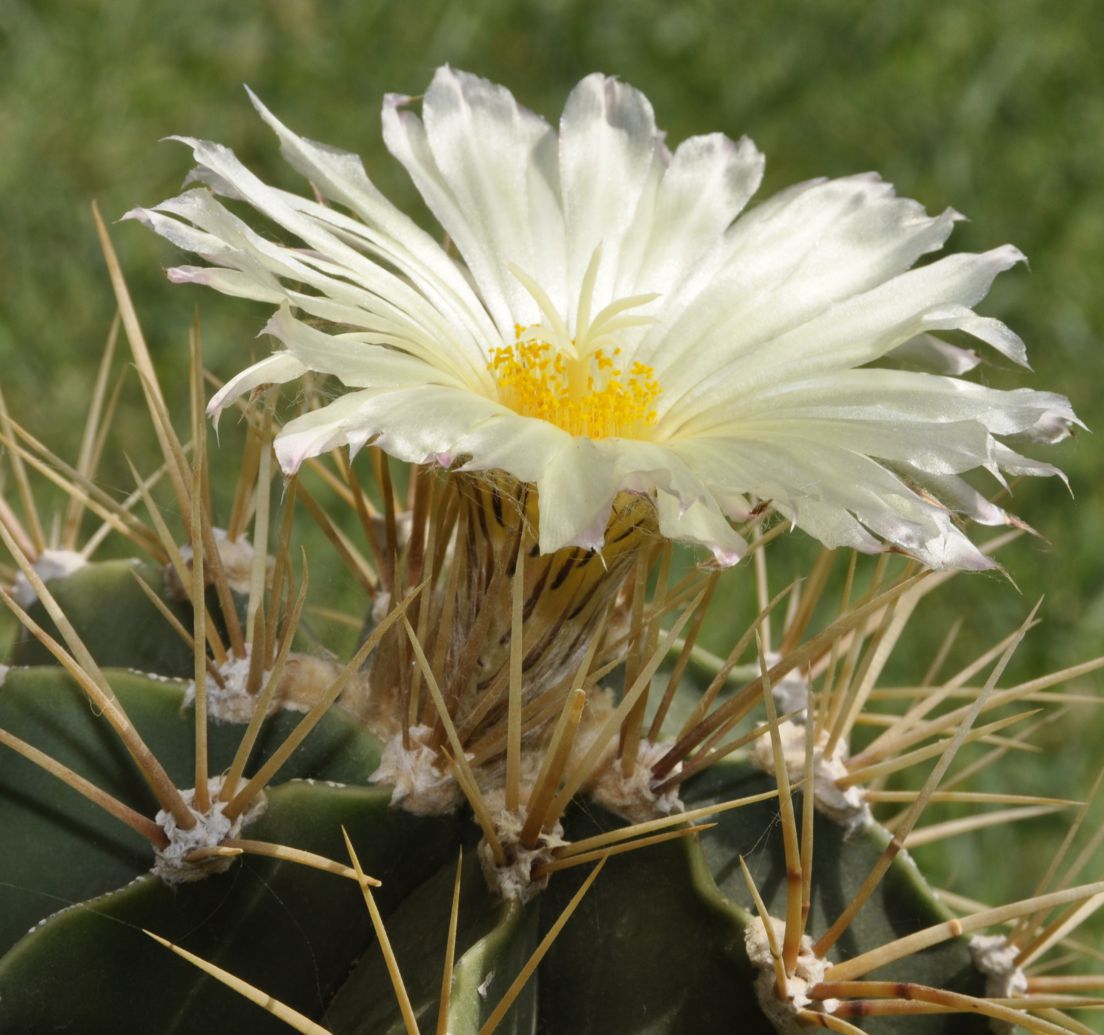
x=90, y=968
x=115, y=619
x=494, y=939
x=58, y=847
x=656, y=945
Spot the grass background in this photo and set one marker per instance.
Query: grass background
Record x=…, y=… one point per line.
x=997, y=110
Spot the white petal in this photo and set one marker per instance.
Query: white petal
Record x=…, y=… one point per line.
x=357, y=364
x=340, y=175
x=464, y=115
x=787, y=260
x=877, y=395
x=817, y=485
x=277, y=369
x=608, y=144
x=487, y=148
x=933, y=355
x=707, y=183
x=851, y=333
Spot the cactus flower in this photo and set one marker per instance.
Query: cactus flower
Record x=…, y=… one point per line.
x=609, y=317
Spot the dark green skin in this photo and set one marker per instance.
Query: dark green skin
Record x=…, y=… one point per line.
x=657, y=945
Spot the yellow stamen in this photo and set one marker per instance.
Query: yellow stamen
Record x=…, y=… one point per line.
x=588, y=395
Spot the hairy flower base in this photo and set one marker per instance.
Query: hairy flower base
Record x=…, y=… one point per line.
x=467, y=537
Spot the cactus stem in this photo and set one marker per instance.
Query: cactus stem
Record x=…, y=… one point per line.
x=114, y=514
x=397, y=983
x=179, y=564
x=904, y=997
x=175, y=624
x=686, y=650
x=527, y=971
x=931, y=784
x=233, y=847
x=23, y=484
x=271, y=767
x=967, y=824
x=450, y=951
x=111, y=805
x=199, y=612
x=517, y=656
x=81, y=666
x=882, y=956
x=1029, y=926
x=292, y=1018
x=147, y=375
x=555, y=760
x=543, y=870
x=93, y=435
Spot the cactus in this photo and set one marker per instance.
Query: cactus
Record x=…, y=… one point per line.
x=525, y=799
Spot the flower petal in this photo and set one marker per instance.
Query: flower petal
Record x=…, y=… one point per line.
x=608, y=145
x=277, y=369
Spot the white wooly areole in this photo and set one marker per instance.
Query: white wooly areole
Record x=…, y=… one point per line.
x=613, y=321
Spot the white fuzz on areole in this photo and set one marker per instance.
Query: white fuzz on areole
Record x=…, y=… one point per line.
x=230, y=702
x=515, y=880
x=211, y=829
x=631, y=796
x=846, y=806
x=49, y=565
x=808, y=971
x=235, y=556
x=420, y=780
x=996, y=957
x=615, y=319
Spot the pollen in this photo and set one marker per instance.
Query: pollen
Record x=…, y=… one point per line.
x=594, y=395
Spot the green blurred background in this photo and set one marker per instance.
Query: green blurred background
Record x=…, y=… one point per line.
x=994, y=109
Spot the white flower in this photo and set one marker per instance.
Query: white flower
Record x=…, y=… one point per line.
x=604, y=323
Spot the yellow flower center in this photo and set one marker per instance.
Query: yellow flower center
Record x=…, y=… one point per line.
x=590, y=394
